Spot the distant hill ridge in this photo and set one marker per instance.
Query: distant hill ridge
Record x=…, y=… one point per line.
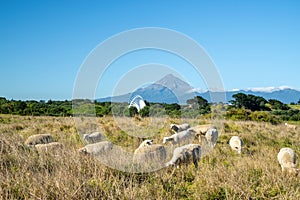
x=171, y=89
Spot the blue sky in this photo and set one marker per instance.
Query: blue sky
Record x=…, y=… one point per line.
x=44, y=43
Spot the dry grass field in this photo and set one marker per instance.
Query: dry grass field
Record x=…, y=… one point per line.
x=67, y=174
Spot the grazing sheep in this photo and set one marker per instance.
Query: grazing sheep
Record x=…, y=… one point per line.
x=53, y=146
x=149, y=152
x=178, y=128
x=145, y=143
x=181, y=138
x=287, y=159
x=201, y=129
x=38, y=139
x=93, y=137
x=186, y=154
x=212, y=136
x=236, y=144
x=97, y=149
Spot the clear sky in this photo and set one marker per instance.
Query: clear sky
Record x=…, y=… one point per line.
x=43, y=43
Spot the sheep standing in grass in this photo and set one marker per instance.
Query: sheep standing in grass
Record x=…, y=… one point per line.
x=53, y=146
x=201, y=129
x=236, y=143
x=38, y=139
x=181, y=138
x=287, y=159
x=149, y=152
x=186, y=154
x=144, y=144
x=97, y=149
x=212, y=136
x=178, y=128
x=93, y=137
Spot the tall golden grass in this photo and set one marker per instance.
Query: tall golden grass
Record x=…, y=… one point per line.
x=67, y=174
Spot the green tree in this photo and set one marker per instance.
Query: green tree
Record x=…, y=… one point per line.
x=251, y=102
x=278, y=105
x=264, y=116
x=144, y=112
x=200, y=104
x=173, y=110
x=19, y=107
x=239, y=101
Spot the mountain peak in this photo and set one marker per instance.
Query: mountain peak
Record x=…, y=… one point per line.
x=171, y=89
x=174, y=83
x=170, y=76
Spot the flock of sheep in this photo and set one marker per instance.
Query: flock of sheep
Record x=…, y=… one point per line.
x=183, y=150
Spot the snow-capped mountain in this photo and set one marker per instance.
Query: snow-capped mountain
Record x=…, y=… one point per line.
x=171, y=89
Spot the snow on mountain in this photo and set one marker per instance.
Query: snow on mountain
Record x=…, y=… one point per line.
x=171, y=89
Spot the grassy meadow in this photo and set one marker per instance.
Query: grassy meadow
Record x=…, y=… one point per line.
x=67, y=174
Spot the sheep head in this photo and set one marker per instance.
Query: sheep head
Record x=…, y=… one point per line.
x=166, y=139
x=85, y=136
x=146, y=143
x=174, y=127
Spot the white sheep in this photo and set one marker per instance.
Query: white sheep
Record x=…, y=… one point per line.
x=236, y=143
x=212, y=136
x=150, y=153
x=144, y=144
x=109, y=154
x=178, y=128
x=180, y=138
x=53, y=146
x=201, y=129
x=186, y=154
x=93, y=137
x=97, y=149
x=287, y=159
x=38, y=139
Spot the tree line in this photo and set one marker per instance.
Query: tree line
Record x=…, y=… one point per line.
x=242, y=107
x=86, y=107
x=256, y=108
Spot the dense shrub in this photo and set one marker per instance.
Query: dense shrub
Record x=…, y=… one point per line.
x=238, y=114
x=263, y=116
x=287, y=115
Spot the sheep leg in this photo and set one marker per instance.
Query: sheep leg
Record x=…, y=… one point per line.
x=195, y=160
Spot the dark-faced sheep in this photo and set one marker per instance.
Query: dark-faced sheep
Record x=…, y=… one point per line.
x=178, y=128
